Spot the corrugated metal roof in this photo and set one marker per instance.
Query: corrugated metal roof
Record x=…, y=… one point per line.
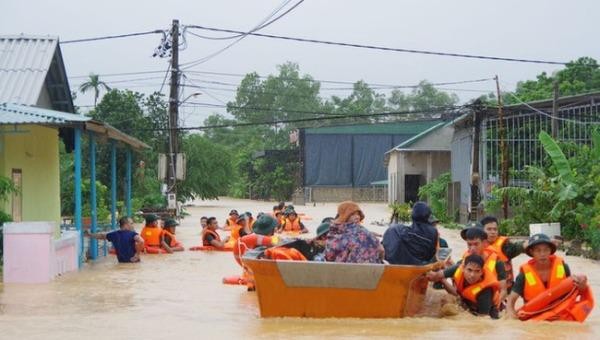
x=399, y=127
x=11, y=114
x=24, y=64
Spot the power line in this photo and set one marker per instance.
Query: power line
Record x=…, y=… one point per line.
x=118, y=74
x=283, y=121
x=106, y=37
x=381, y=48
x=253, y=30
x=266, y=109
x=372, y=85
x=243, y=35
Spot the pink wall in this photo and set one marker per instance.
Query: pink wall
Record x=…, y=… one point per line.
x=32, y=255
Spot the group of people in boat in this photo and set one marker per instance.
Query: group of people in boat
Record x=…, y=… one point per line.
x=482, y=279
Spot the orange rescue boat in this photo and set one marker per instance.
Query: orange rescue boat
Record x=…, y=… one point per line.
x=328, y=289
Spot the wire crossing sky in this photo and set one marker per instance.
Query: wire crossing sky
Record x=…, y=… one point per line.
x=132, y=30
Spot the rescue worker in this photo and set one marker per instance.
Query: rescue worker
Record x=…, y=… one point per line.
x=151, y=233
x=318, y=243
x=543, y=274
x=210, y=237
x=477, y=286
x=264, y=227
x=203, y=221
x=503, y=247
x=477, y=244
x=231, y=221
x=168, y=241
x=292, y=224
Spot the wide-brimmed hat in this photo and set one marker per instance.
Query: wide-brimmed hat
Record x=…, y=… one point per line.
x=171, y=223
x=473, y=232
x=233, y=211
x=463, y=232
x=264, y=225
x=536, y=239
x=322, y=229
x=151, y=218
x=347, y=209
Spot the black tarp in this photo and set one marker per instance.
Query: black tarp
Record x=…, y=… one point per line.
x=346, y=159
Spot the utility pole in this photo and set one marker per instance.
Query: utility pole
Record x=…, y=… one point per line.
x=173, y=111
x=475, y=182
x=503, y=151
x=555, y=110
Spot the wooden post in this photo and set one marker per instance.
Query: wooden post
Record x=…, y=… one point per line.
x=555, y=110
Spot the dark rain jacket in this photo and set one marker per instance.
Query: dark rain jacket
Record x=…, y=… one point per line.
x=412, y=245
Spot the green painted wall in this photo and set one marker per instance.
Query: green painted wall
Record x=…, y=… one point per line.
x=36, y=154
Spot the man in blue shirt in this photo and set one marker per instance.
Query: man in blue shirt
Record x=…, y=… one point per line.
x=127, y=243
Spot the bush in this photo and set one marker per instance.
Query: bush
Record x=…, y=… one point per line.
x=436, y=194
x=401, y=212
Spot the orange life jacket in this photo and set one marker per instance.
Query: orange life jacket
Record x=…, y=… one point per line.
x=173, y=241
x=250, y=241
x=490, y=280
x=291, y=226
x=497, y=248
x=151, y=236
x=235, y=231
x=534, y=286
x=560, y=299
x=206, y=232
x=230, y=223
x=283, y=253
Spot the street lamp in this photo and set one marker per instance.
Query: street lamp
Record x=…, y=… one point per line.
x=195, y=94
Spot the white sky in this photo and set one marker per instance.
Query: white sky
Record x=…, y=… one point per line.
x=554, y=30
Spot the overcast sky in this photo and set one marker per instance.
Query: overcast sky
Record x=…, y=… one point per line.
x=534, y=29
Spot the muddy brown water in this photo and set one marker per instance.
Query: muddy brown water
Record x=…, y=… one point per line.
x=181, y=295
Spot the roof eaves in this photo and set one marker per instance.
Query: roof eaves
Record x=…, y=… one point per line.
x=415, y=138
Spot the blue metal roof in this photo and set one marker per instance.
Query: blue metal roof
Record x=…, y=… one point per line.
x=11, y=114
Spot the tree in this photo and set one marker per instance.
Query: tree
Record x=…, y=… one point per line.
x=94, y=83
x=424, y=97
x=278, y=98
x=209, y=169
x=579, y=76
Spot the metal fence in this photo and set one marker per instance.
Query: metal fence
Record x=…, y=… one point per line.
x=574, y=124
x=103, y=246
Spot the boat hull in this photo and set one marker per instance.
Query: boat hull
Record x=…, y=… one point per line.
x=326, y=289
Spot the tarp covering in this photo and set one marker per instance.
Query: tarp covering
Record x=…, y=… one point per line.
x=347, y=159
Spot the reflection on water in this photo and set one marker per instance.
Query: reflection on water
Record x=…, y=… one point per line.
x=182, y=295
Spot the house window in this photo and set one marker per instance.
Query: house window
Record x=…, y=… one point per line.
x=17, y=200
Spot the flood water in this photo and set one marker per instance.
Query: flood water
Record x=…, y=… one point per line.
x=182, y=296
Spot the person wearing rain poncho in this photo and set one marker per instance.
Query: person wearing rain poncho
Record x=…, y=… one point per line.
x=415, y=244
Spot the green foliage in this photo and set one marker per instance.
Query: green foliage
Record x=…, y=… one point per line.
x=436, y=194
x=401, y=212
x=94, y=83
x=102, y=208
x=209, y=169
x=565, y=190
x=7, y=188
x=579, y=76
x=422, y=98
x=559, y=159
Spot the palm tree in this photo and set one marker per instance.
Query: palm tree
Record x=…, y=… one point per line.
x=96, y=84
